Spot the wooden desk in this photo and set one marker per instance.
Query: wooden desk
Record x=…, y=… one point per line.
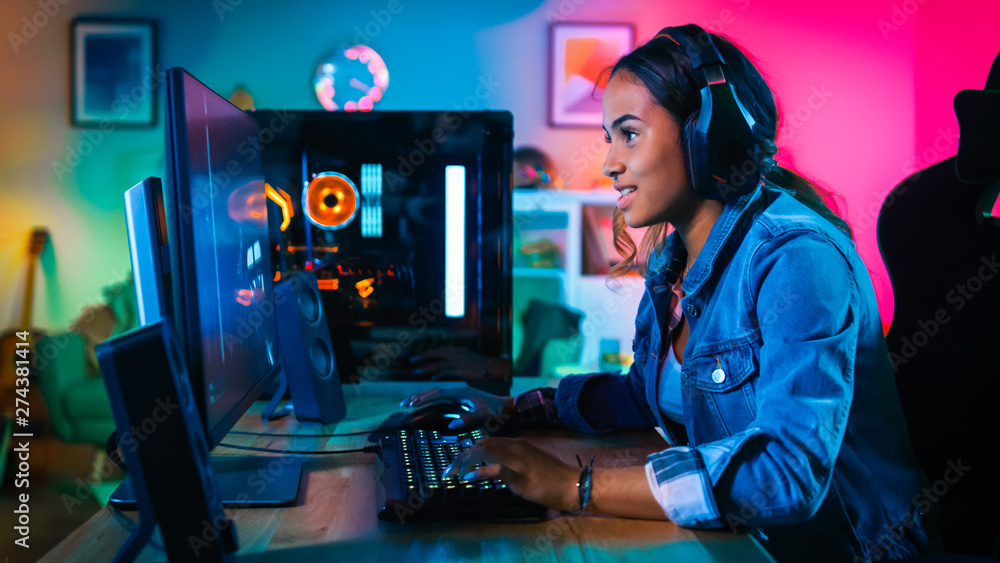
x=334, y=519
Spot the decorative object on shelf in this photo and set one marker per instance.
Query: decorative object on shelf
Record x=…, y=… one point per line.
x=114, y=77
x=542, y=254
x=578, y=53
x=353, y=78
x=241, y=98
x=543, y=322
x=534, y=169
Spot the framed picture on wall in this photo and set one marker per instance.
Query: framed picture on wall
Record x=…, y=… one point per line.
x=114, y=77
x=578, y=53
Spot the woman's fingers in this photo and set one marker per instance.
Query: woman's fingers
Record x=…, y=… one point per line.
x=481, y=409
x=468, y=460
x=487, y=459
x=464, y=420
x=428, y=396
x=529, y=471
x=482, y=472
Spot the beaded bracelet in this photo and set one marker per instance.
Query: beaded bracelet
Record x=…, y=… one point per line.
x=583, y=486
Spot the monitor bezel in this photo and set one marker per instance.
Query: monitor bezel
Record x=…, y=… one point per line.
x=148, y=249
x=178, y=197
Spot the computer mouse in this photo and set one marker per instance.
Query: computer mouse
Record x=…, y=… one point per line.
x=435, y=416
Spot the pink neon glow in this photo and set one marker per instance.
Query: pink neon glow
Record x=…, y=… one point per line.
x=865, y=89
x=327, y=74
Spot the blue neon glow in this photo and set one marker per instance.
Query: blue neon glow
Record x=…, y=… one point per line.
x=454, y=241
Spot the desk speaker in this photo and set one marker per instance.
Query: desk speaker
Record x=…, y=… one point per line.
x=164, y=447
x=307, y=355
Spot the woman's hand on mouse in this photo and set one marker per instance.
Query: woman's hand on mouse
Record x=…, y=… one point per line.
x=485, y=410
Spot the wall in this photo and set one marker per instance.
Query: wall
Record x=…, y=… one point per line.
x=865, y=87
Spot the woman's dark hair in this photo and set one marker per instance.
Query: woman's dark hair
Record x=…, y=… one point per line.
x=665, y=69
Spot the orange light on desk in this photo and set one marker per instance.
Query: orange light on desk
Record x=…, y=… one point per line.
x=331, y=201
x=284, y=201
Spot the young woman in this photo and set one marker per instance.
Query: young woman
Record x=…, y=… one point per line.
x=758, y=347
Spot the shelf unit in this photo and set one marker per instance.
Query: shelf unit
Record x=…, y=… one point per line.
x=558, y=216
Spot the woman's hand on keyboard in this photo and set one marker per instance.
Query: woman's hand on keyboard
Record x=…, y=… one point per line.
x=484, y=410
x=530, y=471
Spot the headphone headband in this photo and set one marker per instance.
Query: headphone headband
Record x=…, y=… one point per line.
x=696, y=42
x=721, y=151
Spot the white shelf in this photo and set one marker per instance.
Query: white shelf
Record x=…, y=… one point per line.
x=609, y=307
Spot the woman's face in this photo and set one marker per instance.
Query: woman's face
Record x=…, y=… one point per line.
x=645, y=158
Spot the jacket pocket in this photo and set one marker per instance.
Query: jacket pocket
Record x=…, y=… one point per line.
x=721, y=390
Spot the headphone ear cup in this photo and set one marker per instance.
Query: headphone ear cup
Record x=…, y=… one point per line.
x=693, y=154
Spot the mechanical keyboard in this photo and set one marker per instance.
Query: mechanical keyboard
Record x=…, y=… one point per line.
x=412, y=487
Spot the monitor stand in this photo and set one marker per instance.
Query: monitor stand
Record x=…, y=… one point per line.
x=244, y=482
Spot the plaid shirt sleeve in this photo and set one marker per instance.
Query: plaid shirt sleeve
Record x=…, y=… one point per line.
x=679, y=482
x=535, y=410
x=682, y=479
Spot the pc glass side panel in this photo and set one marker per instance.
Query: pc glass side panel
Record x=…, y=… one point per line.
x=404, y=216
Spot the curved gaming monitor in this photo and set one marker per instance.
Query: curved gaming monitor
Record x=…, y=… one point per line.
x=209, y=271
x=220, y=265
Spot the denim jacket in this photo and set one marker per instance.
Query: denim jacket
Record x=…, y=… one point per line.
x=793, y=426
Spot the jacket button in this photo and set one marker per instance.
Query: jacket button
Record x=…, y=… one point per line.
x=719, y=375
x=691, y=310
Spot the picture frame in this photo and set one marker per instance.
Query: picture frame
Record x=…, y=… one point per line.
x=578, y=53
x=114, y=80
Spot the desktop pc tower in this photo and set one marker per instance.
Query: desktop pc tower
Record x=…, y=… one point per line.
x=404, y=218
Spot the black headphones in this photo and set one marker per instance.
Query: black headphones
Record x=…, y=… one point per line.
x=722, y=153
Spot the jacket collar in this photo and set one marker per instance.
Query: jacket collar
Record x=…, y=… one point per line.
x=670, y=258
